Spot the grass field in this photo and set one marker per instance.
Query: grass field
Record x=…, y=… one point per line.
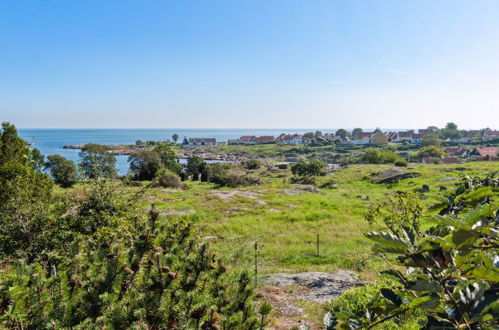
x=285, y=219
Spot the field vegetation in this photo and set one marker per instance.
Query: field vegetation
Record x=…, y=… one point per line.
x=108, y=251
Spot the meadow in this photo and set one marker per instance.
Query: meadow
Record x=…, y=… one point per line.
x=286, y=219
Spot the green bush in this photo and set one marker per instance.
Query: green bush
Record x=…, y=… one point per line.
x=97, y=162
x=168, y=157
x=379, y=156
x=63, y=171
x=226, y=176
x=312, y=167
x=252, y=164
x=144, y=165
x=196, y=166
x=431, y=151
x=401, y=163
x=168, y=179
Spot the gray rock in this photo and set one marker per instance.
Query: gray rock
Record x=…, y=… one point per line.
x=317, y=287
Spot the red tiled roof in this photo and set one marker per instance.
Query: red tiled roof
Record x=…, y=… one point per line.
x=265, y=139
x=405, y=134
x=488, y=151
x=247, y=138
x=491, y=133
x=365, y=134
x=455, y=151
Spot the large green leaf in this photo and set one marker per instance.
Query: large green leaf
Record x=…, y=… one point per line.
x=388, y=241
x=430, y=302
x=475, y=196
x=447, y=221
x=477, y=214
x=425, y=285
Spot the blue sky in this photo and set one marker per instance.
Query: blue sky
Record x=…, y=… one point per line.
x=243, y=64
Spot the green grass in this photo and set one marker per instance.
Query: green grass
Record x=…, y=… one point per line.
x=286, y=226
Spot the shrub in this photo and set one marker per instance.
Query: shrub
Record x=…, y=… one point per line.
x=142, y=274
x=312, y=167
x=168, y=157
x=144, y=165
x=63, y=171
x=97, y=162
x=252, y=164
x=168, y=179
x=379, y=156
x=452, y=280
x=401, y=163
x=195, y=167
x=431, y=151
x=282, y=166
x=225, y=175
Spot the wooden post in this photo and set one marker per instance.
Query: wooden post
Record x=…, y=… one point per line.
x=256, y=263
x=318, y=254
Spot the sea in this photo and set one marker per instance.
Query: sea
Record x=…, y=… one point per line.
x=51, y=141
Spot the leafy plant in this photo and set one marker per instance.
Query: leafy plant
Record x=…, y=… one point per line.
x=63, y=171
x=452, y=274
x=97, y=162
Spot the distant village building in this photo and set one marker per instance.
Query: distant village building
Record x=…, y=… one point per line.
x=378, y=137
x=456, y=152
x=197, y=142
x=425, y=131
x=290, y=139
x=485, y=153
x=265, y=139
x=247, y=139
x=490, y=135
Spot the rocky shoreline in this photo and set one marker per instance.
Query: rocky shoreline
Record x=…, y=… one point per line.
x=125, y=150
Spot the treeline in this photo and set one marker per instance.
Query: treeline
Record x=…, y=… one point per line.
x=95, y=259
x=160, y=165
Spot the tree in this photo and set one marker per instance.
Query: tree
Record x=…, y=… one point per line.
x=24, y=195
x=341, y=133
x=450, y=132
x=144, y=164
x=168, y=157
x=357, y=132
x=430, y=139
x=379, y=156
x=195, y=166
x=308, y=136
x=62, y=170
x=96, y=162
x=451, y=278
x=312, y=167
x=317, y=134
x=431, y=151
x=252, y=164
x=175, y=137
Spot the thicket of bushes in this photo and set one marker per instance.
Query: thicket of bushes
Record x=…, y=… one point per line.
x=97, y=261
x=381, y=156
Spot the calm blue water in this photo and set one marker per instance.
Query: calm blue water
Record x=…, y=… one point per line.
x=51, y=141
